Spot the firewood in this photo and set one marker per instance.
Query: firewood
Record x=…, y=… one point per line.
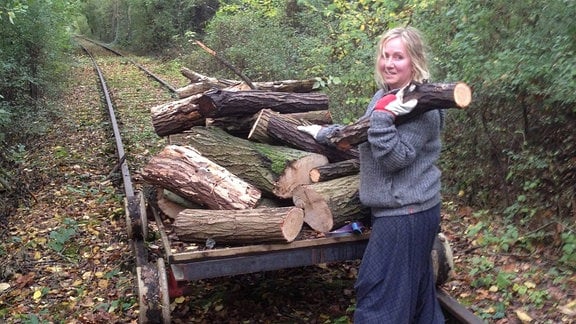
x=335, y=170
x=187, y=173
x=239, y=126
x=314, y=117
x=283, y=129
x=196, y=77
x=171, y=204
x=198, y=81
x=259, y=127
x=330, y=204
x=275, y=170
x=429, y=95
x=176, y=116
x=218, y=103
x=282, y=224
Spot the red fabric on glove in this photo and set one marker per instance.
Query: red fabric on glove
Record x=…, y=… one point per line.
x=384, y=101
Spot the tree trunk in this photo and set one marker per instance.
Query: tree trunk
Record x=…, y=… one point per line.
x=188, y=174
x=276, y=170
x=335, y=170
x=176, y=116
x=429, y=95
x=330, y=204
x=218, y=103
x=248, y=226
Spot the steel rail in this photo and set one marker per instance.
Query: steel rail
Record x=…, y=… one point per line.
x=142, y=68
x=154, y=303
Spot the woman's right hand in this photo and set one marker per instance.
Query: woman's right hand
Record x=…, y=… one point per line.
x=312, y=130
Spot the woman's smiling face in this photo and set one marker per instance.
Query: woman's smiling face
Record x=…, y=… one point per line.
x=395, y=63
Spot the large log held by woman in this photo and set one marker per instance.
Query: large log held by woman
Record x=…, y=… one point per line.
x=430, y=96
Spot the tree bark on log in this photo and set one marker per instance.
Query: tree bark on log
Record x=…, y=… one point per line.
x=176, y=116
x=259, y=131
x=429, y=95
x=190, y=175
x=314, y=117
x=294, y=86
x=335, y=170
x=171, y=204
x=219, y=103
x=330, y=204
x=282, y=129
x=259, y=126
x=276, y=170
x=199, y=81
x=196, y=77
x=282, y=224
x=239, y=126
x=167, y=206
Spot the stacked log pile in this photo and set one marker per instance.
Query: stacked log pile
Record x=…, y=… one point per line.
x=238, y=171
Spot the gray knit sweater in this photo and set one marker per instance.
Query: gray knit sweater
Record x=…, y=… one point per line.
x=398, y=173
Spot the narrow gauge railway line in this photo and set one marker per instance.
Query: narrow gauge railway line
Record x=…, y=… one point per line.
x=152, y=274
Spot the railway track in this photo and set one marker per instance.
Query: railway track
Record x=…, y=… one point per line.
x=168, y=274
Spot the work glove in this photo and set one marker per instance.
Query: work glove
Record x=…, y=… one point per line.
x=312, y=130
x=395, y=105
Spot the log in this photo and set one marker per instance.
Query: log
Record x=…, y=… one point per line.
x=330, y=204
x=314, y=117
x=200, y=83
x=429, y=95
x=167, y=206
x=282, y=224
x=239, y=126
x=171, y=204
x=306, y=85
x=196, y=77
x=218, y=103
x=335, y=170
x=283, y=129
x=275, y=170
x=259, y=126
x=188, y=174
x=296, y=86
x=176, y=116
x=259, y=130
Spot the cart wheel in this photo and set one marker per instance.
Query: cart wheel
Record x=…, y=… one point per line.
x=136, y=218
x=154, y=303
x=442, y=259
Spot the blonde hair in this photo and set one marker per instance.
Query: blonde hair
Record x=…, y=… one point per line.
x=416, y=48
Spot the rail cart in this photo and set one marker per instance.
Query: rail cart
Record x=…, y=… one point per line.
x=187, y=266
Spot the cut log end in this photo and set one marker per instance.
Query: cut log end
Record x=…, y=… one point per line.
x=317, y=214
x=293, y=224
x=298, y=173
x=462, y=95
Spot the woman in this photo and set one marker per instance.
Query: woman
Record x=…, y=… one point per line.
x=400, y=182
